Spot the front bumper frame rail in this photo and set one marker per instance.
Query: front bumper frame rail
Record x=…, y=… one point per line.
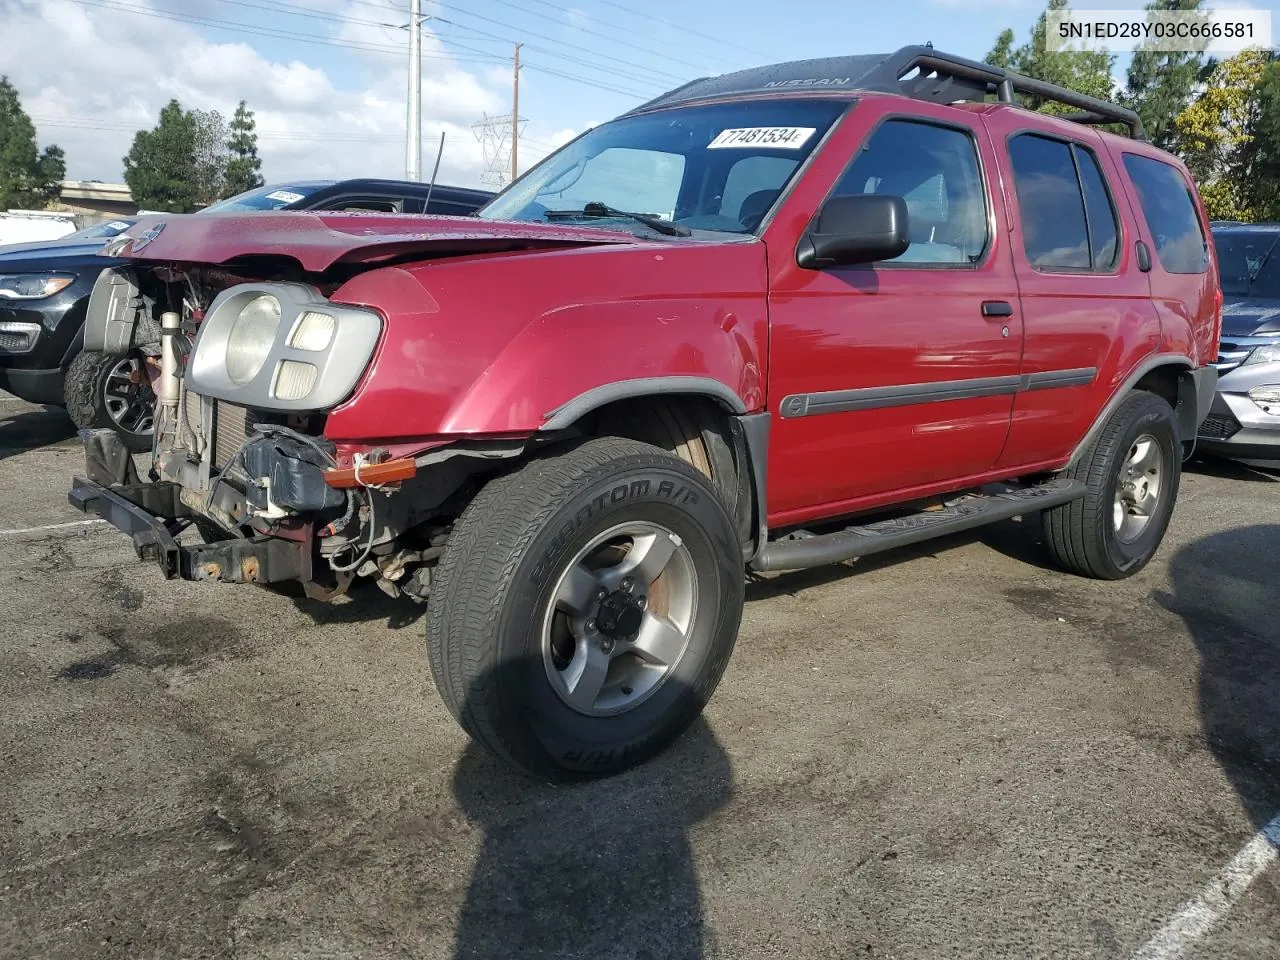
x=152, y=514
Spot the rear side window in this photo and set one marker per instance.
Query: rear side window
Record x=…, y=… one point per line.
x=1170, y=212
x=1068, y=221
x=935, y=170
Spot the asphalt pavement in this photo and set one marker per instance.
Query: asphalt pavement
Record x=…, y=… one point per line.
x=951, y=751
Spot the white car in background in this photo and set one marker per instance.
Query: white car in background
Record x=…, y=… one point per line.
x=31, y=226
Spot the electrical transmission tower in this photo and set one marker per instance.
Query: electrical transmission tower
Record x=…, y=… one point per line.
x=494, y=134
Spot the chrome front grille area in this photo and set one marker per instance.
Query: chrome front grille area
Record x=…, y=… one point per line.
x=1234, y=351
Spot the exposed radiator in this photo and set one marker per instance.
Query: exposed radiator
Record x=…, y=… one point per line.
x=229, y=426
x=229, y=429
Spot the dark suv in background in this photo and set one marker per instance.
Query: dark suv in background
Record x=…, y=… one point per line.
x=45, y=287
x=1244, y=423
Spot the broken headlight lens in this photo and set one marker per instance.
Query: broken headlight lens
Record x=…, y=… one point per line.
x=251, y=337
x=32, y=286
x=1268, y=353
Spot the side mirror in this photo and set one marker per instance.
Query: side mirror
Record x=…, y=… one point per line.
x=862, y=228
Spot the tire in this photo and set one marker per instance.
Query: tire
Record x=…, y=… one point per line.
x=98, y=396
x=506, y=655
x=1098, y=536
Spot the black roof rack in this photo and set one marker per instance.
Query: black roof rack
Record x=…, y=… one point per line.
x=919, y=72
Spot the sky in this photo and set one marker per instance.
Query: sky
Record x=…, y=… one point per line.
x=327, y=79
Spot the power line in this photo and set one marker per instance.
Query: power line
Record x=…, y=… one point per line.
x=596, y=33
x=237, y=27
x=648, y=16
x=647, y=70
x=541, y=68
x=383, y=49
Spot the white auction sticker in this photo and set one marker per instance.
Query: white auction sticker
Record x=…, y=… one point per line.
x=778, y=138
x=284, y=196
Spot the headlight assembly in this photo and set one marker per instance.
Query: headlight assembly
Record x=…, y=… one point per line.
x=281, y=346
x=251, y=337
x=1268, y=353
x=33, y=286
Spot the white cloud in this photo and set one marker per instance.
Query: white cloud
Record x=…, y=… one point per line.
x=113, y=71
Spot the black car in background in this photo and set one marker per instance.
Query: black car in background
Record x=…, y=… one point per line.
x=45, y=287
x=41, y=284
x=386, y=196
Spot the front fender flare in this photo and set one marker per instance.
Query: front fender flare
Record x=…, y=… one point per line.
x=567, y=414
x=750, y=433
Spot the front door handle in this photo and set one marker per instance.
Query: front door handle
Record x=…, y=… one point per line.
x=997, y=308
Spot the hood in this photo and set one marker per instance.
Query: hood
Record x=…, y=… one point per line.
x=47, y=249
x=1246, y=317
x=320, y=240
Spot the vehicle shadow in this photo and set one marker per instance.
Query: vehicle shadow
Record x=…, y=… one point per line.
x=1233, y=470
x=602, y=869
x=1224, y=587
x=26, y=430
x=365, y=603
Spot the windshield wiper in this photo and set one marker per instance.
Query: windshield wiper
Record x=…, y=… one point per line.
x=1256, y=269
x=597, y=209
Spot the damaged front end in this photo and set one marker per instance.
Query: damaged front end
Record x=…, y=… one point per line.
x=242, y=484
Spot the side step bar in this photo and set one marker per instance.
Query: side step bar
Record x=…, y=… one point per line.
x=975, y=510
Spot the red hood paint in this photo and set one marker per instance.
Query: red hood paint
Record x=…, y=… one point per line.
x=319, y=240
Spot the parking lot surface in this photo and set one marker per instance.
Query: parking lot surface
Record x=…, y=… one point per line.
x=952, y=751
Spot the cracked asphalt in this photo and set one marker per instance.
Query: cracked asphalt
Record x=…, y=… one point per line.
x=952, y=751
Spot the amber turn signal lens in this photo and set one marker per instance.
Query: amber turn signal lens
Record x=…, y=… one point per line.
x=372, y=474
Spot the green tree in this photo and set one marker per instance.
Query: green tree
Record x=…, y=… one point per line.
x=1260, y=155
x=1001, y=55
x=160, y=165
x=1215, y=133
x=29, y=177
x=1084, y=71
x=1161, y=84
x=209, y=155
x=244, y=168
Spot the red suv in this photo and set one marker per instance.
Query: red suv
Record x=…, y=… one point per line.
x=775, y=319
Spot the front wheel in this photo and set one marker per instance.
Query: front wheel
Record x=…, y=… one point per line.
x=1132, y=471
x=585, y=608
x=114, y=392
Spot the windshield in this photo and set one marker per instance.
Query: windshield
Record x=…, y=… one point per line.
x=265, y=198
x=713, y=168
x=101, y=231
x=1248, y=264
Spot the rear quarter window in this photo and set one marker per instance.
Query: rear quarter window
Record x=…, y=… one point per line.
x=1170, y=213
x=1068, y=222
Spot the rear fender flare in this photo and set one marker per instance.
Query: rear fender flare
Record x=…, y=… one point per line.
x=1176, y=361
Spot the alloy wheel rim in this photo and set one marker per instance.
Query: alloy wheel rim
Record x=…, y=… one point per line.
x=619, y=619
x=1138, y=488
x=128, y=397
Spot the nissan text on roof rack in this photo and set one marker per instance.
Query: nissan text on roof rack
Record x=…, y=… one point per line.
x=770, y=320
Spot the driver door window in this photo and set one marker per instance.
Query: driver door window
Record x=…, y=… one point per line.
x=935, y=170
x=752, y=187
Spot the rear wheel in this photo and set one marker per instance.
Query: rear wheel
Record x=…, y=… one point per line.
x=112, y=392
x=1132, y=471
x=585, y=608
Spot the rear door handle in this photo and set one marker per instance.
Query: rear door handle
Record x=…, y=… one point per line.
x=997, y=308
